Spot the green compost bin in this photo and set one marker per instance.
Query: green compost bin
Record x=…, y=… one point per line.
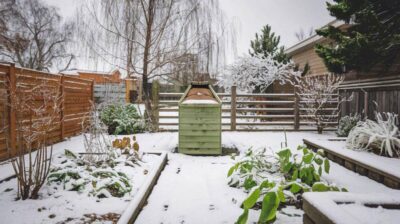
x=200, y=121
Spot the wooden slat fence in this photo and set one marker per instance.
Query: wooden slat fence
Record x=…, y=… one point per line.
x=250, y=112
x=77, y=95
x=369, y=95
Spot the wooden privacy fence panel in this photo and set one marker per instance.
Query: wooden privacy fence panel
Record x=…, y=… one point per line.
x=76, y=96
x=370, y=95
x=249, y=112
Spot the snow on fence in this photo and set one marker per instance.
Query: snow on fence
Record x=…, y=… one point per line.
x=251, y=112
x=76, y=95
x=115, y=92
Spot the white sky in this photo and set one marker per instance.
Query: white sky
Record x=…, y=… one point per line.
x=284, y=16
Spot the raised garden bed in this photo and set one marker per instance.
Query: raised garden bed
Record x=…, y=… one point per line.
x=381, y=169
x=349, y=208
x=59, y=204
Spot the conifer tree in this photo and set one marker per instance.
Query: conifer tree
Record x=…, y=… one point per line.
x=372, y=37
x=267, y=43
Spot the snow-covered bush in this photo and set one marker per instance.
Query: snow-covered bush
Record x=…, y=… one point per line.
x=347, y=123
x=122, y=119
x=249, y=73
x=381, y=136
x=316, y=94
x=100, y=180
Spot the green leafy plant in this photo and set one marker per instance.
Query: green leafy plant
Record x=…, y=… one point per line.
x=279, y=182
x=122, y=119
x=347, y=123
x=100, y=180
x=250, y=169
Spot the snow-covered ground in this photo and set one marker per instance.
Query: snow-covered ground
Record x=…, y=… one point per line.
x=193, y=189
x=57, y=205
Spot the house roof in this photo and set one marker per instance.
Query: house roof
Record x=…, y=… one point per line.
x=312, y=40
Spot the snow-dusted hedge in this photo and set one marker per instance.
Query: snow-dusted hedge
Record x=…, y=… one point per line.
x=347, y=123
x=381, y=136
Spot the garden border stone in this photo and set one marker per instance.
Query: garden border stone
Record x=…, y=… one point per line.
x=357, y=166
x=139, y=200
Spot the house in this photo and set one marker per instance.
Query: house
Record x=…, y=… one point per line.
x=304, y=53
x=375, y=90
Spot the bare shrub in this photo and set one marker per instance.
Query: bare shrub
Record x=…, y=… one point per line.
x=37, y=110
x=319, y=98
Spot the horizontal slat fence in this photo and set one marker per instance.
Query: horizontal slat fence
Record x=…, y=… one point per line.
x=77, y=95
x=250, y=112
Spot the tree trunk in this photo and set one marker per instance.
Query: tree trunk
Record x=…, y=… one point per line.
x=146, y=54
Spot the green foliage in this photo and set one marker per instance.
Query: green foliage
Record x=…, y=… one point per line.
x=372, y=38
x=347, y=123
x=301, y=173
x=308, y=168
x=101, y=181
x=249, y=169
x=122, y=119
x=267, y=44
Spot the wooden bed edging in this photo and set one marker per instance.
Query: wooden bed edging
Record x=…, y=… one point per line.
x=135, y=206
x=324, y=207
x=359, y=167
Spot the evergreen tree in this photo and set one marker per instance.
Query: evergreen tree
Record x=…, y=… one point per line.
x=268, y=44
x=372, y=38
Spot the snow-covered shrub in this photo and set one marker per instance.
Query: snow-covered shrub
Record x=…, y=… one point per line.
x=122, y=119
x=347, y=123
x=258, y=71
x=316, y=94
x=381, y=136
x=74, y=174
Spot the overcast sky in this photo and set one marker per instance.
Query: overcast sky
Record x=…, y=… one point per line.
x=286, y=17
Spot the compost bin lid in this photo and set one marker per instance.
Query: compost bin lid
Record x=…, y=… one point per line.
x=200, y=94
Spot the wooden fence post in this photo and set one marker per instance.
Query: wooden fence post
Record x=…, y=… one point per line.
x=365, y=104
x=12, y=87
x=92, y=91
x=296, y=110
x=155, y=99
x=233, y=108
x=62, y=114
